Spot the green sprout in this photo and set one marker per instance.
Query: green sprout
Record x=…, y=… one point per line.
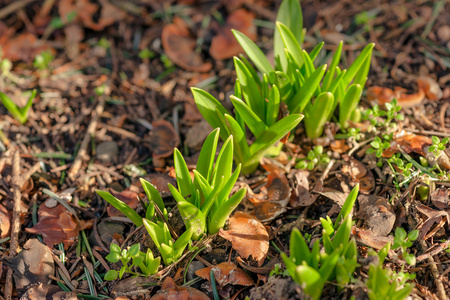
x=438, y=145
x=42, y=61
x=404, y=241
x=316, y=92
x=314, y=157
x=267, y=133
x=147, y=264
x=385, y=283
x=311, y=269
x=205, y=202
x=19, y=113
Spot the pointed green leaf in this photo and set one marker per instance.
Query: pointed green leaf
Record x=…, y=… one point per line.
x=241, y=148
x=273, y=106
x=348, y=206
x=359, y=61
x=311, y=280
x=343, y=233
x=290, y=14
x=224, y=163
x=299, y=101
x=272, y=135
x=290, y=43
x=334, y=63
x=219, y=218
x=184, y=180
x=122, y=207
x=317, y=114
x=349, y=104
x=250, y=89
x=153, y=196
x=253, y=52
x=313, y=54
x=205, y=160
x=298, y=248
x=208, y=107
x=254, y=123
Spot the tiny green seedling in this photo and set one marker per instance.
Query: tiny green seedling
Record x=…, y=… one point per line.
x=315, y=157
x=438, y=145
x=404, y=241
x=19, y=113
x=147, y=264
x=42, y=61
x=170, y=251
x=375, y=115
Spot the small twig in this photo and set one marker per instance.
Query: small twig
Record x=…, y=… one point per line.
x=13, y=7
x=434, y=270
x=441, y=247
x=82, y=152
x=14, y=243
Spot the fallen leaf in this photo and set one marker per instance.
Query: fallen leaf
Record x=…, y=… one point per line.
x=247, y=236
x=368, y=238
x=196, y=135
x=226, y=273
x=430, y=87
x=433, y=216
x=56, y=224
x=163, y=139
x=5, y=222
x=274, y=196
x=170, y=291
x=224, y=44
x=33, y=265
x=46, y=291
x=339, y=146
x=359, y=174
x=301, y=196
x=440, y=198
x=128, y=197
x=24, y=47
x=408, y=142
x=179, y=45
x=376, y=212
x=381, y=95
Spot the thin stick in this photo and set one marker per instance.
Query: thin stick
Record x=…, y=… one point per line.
x=14, y=243
x=13, y=7
x=434, y=270
x=82, y=152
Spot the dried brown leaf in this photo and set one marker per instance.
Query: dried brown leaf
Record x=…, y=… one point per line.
x=170, y=291
x=56, y=224
x=179, y=45
x=226, y=273
x=224, y=44
x=163, y=139
x=247, y=236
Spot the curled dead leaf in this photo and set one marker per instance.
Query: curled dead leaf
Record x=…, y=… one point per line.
x=224, y=44
x=163, y=139
x=247, y=236
x=430, y=87
x=441, y=198
x=339, y=146
x=381, y=95
x=368, y=238
x=170, y=291
x=33, y=265
x=408, y=142
x=24, y=47
x=301, y=196
x=179, y=45
x=274, y=196
x=56, y=224
x=359, y=174
x=226, y=273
